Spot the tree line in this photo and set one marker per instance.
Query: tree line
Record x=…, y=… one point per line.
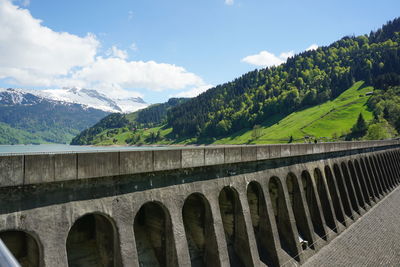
x=307, y=79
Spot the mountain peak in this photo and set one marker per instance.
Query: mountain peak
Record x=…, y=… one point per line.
x=92, y=98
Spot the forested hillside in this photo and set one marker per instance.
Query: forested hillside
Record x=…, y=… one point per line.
x=307, y=79
x=254, y=107
x=151, y=116
x=44, y=122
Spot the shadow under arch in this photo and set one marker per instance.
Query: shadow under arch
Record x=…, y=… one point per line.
x=364, y=182
x=311, y=198
x=261, y=224
x=281, y=214
x=236, y=237
x=356, y=184
x=342, y=191
x=325, y=200
x=93, y=241
x=199, y=229
x=384, y=170
x=334, y=195
x=349, y=186
x=379, y=174
x=394, y=168
x=389, y=169
x=369, y=179
x=24, y=247
x=154, y=237
x=374, y=174
x=299, y=210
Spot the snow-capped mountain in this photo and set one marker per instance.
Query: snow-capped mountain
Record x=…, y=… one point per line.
x=85, y=97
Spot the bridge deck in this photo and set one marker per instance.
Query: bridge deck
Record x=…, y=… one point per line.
x=374, y=240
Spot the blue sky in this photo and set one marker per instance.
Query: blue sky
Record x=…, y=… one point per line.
x=158, y=48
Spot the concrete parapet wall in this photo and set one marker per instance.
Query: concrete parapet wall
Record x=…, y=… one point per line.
x=18, y=170
x=272, y=206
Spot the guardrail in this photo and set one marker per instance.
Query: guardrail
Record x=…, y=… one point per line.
x=6, y=258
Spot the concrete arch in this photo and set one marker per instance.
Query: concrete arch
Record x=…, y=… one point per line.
x=384, y=170
x=304, y=227
x=350, y=189
x=372, y=172
x=395, y=167
x=233, y=221
x=343, y=191
x=281, y=213
x=396, y=156
x=199, y=229
x=390, y=169
x=337, y=205
x=369, y=179
x=396, y=161
x=154, y=237
x=93, y=240
x=356, y=183
x=24, y=246
x=325, y=200
x=313, y=205
x=380, y=175
x=261, y=224
x=365, y=183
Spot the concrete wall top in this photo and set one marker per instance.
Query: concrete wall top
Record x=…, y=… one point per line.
x=17, y=170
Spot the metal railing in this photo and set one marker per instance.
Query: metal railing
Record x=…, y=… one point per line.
x=6, y=258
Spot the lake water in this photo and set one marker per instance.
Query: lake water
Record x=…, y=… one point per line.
x=55, y=148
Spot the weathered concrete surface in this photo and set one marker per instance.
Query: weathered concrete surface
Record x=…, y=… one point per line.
x=167, y=160
x=39, y=169
x=373, y=240
x=136, y=161
x=47, y=211
x=12, y=171
x=65, y=167
x=43, y=168
x=192, y=158
x=98, y=164
x=214, y=156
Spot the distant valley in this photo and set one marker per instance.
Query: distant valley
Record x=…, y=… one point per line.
x=55, y=116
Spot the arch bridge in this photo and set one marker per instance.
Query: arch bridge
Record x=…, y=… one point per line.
x=264, y=205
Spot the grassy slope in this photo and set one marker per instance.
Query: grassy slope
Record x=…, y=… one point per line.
x=336, y=116
x=10, y=135
x=333, y=117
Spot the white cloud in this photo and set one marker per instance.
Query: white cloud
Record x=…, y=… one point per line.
x=118, y=53
x=195, y=91
x=229, y=2
x=285, y=55
x=312, y=47
x=137, y=74
x=34, y=55
x=267, y=59
x=27, y=46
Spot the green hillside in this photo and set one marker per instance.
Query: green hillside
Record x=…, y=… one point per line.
x=123, y=127
x=10, y=135
x=331, y=119
x=326, y=120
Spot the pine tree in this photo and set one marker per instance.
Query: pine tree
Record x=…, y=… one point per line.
x=360, y=128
